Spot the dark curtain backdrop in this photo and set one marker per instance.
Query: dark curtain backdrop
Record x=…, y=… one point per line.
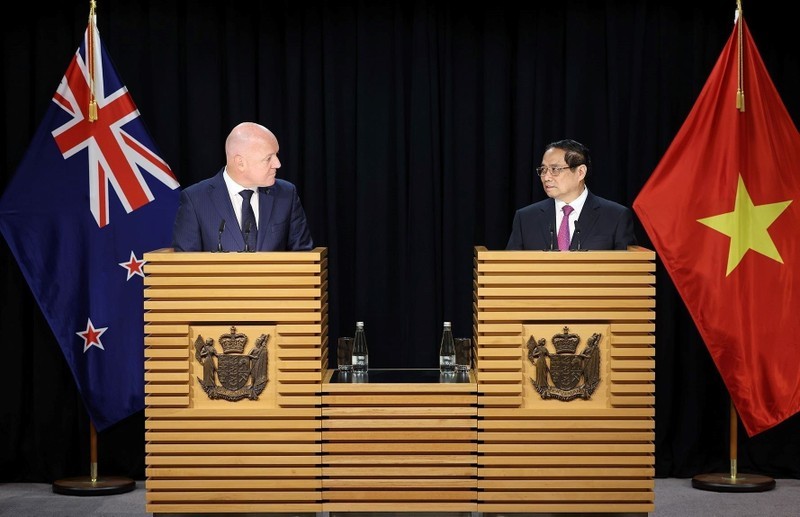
x=411, y=130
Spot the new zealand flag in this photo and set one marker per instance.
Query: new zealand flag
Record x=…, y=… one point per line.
x=89, y=198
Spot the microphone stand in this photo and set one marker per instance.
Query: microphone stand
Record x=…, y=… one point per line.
x=578, y=238
x=219, y=237
x=247, y=238
x=552, y=241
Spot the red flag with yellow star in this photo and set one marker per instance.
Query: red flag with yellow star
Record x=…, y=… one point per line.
x=722, y=209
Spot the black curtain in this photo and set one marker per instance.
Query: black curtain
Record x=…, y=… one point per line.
x=411, y=130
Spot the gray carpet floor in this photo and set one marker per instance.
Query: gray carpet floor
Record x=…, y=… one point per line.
x=674, y=498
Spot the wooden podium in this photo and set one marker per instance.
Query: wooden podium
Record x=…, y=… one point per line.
x=545, y=448
x=214, y=443
x=243, y=414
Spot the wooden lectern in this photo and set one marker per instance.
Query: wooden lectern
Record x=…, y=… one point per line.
x=550, y=329
x=219, y=326
x=243, y=414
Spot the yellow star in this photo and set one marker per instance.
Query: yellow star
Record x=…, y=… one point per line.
x=747, y=227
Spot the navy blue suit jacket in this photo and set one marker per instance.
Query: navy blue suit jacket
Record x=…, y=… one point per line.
x=603, y=225
x=203, y=206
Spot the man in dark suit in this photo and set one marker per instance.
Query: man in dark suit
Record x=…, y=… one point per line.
x=244, y=207
x=573, y=218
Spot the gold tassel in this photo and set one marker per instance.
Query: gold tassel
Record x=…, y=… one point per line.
x=740, y=89
x=90, y=60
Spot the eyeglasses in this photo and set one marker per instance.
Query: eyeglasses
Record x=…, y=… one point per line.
x=554, y=171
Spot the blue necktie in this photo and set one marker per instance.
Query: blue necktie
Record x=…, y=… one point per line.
x=249, y=228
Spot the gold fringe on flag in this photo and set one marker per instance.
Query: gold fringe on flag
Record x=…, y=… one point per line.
x=90, y=61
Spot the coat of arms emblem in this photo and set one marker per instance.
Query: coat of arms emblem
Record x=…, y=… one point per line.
x=565, y=368
x=240, y=375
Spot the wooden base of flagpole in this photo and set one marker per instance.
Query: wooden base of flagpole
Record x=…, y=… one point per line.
x=733, y=482
x=93, y=485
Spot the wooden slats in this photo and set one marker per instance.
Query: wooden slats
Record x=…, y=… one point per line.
x=567, y=484
x=399, y=447
x=564, y=266
x=247, y=292
x=565, y=303
x=492, y=445
x=212, y=314
x=535, y=454
x=634, y=254
x=565, y=291
x=234, y=268
x=281, y=453
x=215, y=436
x=208, y=455
x=608, y=281
x=238, y=305
x=249, y=508
x=620, y=447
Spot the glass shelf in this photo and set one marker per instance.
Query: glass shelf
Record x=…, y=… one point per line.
x=400, y=375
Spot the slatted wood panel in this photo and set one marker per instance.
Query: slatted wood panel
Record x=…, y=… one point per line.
x=552, y=456
x=399, y=447
x=218, y=456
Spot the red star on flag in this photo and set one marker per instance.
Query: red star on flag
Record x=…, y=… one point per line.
x=91, y=336
x=134, y=266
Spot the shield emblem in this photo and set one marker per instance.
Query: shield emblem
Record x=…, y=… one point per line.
x=234, y=371
x=566, y=370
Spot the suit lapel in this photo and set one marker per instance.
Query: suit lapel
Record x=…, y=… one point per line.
x=266, y=201
x=588, y=217
x=218, y=193
x=548, y=225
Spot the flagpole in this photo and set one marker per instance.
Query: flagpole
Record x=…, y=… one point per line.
x=733, y=481
x=93, y=484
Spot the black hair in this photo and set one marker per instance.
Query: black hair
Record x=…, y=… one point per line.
x=575, y=153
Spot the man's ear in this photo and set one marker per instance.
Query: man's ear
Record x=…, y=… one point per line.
x=582, y=171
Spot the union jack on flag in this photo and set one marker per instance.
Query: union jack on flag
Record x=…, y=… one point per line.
x=89, y=198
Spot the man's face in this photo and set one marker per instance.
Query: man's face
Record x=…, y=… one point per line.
x=565, y=185
x=260, y=165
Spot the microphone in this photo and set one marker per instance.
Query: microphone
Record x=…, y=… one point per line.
x=219, y=237
x=247, y=237
x=552, y=238
x=578, y=237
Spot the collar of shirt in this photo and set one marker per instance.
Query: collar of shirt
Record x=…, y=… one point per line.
x=577, y=208
x=236, y=200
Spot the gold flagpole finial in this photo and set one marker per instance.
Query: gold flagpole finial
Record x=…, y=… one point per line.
x=90, y=60
x=740, y=47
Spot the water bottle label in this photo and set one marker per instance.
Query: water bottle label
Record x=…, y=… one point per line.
x=360, y=363
x=447, y=363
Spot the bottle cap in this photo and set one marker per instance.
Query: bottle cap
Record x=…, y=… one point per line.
x=446, y=323
x=359, y=324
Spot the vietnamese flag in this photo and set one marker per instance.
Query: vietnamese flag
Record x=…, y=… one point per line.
x=722, y=209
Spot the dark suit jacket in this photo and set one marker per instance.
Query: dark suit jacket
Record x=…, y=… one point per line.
x=203, y=206
x=603, y=224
